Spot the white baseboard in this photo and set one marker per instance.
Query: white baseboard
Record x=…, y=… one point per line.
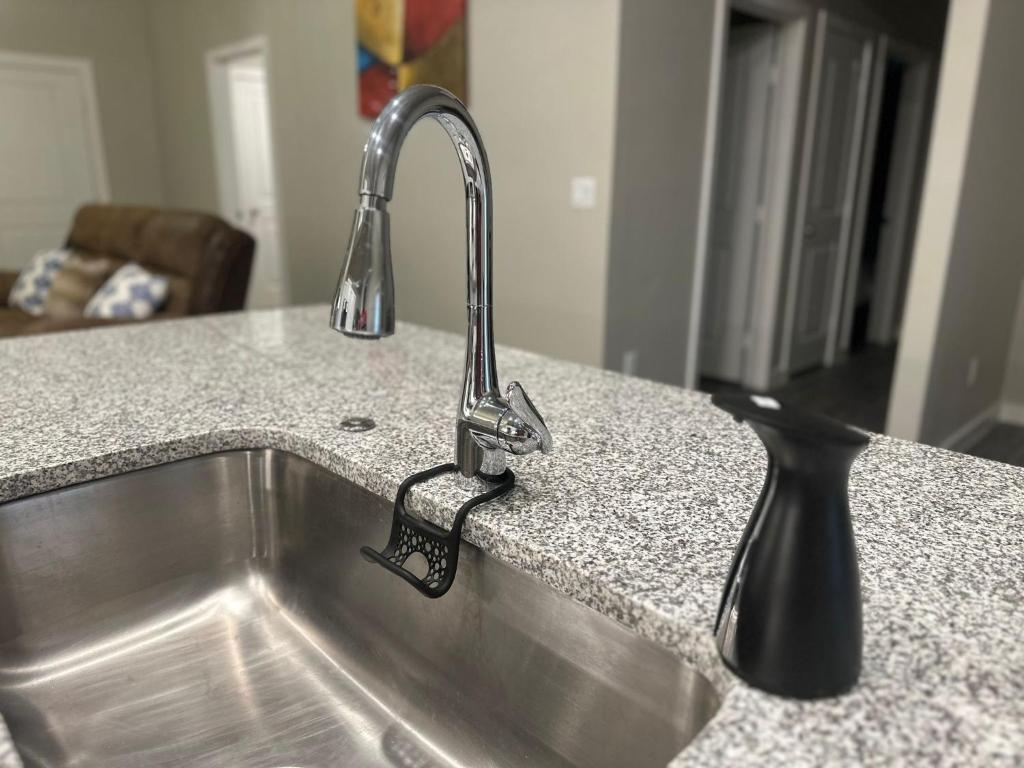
x=1011, y=413
x=970, y=432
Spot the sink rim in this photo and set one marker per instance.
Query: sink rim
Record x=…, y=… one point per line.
x=686, y=660
x=692, y=644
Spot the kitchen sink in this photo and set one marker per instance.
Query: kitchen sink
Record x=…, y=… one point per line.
x=216, y=612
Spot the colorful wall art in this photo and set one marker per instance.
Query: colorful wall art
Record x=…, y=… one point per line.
x=404, y=42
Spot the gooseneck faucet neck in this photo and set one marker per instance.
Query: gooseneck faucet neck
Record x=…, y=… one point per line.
x=487, y=424
x=380, y=160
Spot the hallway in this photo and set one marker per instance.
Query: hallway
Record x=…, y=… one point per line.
x=855, y=391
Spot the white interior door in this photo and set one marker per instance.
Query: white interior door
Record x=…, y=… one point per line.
x=240, y=108
x=51, y=156
x=737, y=216
x=896, y=237
x=254, y=166
x=836, y=117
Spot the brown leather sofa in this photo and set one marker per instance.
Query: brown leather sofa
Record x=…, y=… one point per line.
x=207, y=261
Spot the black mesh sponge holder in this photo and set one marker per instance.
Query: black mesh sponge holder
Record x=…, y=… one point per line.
x=410, y=534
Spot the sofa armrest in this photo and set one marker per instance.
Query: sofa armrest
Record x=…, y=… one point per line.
x=6, y=283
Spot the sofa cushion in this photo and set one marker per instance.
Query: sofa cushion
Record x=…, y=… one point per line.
x=179, y=296
x=13, y=321
x=110, y=229
x=54, y=324
x=213, y=258
x=33, y=284
x=76, y=283
x=7, y=280
x=131, y=292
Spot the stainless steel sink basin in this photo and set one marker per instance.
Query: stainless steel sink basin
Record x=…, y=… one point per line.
x=215, y=611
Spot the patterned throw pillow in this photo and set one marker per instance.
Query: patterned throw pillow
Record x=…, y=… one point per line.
x=76, y=283
x=131, y=292
x=30, y=290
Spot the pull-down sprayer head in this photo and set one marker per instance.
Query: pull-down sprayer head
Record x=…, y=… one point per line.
x=364, y=304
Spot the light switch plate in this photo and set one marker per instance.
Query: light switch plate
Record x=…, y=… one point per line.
x=583, y=192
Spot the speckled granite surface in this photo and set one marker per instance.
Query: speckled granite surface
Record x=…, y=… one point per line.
x=636, y=514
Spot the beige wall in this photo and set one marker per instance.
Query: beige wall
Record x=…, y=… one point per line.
x=967, y=268
x=542, y=89
x=111, y=34
x=664, y=70
x=1013, y=387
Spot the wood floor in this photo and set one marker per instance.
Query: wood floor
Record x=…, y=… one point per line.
x=856, y=391
x=1003, y=442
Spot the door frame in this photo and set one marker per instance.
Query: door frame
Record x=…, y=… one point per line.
x=217, y=62
x=886, y=304
x=887, y=292
x=824, y=19
x=82, y=69
x=781, y=153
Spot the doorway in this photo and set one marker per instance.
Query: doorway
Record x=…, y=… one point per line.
x=760, y=69
x=51, y=152
x=887, y=207
x=824, y=221
x=246, y=176
x=812, y=314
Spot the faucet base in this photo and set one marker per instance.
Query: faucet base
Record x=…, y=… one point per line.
x=472, y=458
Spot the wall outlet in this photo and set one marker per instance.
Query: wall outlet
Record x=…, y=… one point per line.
x=972, y=372
x=630, y=361
x=583, y=192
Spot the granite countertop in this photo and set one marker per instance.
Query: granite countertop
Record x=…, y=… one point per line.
x=636, y=514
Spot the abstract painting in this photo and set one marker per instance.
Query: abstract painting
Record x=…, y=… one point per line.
x=404, y=42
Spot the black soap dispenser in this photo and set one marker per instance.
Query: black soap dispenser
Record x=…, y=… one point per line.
x=790, y=618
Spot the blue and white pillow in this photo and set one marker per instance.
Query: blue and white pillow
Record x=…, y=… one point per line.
x=131, y=292
x=33, y=285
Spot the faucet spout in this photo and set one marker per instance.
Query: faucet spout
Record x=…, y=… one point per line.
x=380, y=160
x=487, y=426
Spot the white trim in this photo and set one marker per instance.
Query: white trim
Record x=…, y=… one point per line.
x=825, y=20
x=918, y=72
x=83, y=69
x=803, y=190
x=948, y=146
x=883, y=321
x=968, y=433
x=792, y=42
x=792, y=39
x=217, y=60
x=863, y=195
x=1011, y=413
x=846, y=228
x=719, y=32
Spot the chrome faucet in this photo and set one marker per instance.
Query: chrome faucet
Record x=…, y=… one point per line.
x=487, y=424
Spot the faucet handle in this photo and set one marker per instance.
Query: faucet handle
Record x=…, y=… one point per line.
x=524, y=408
